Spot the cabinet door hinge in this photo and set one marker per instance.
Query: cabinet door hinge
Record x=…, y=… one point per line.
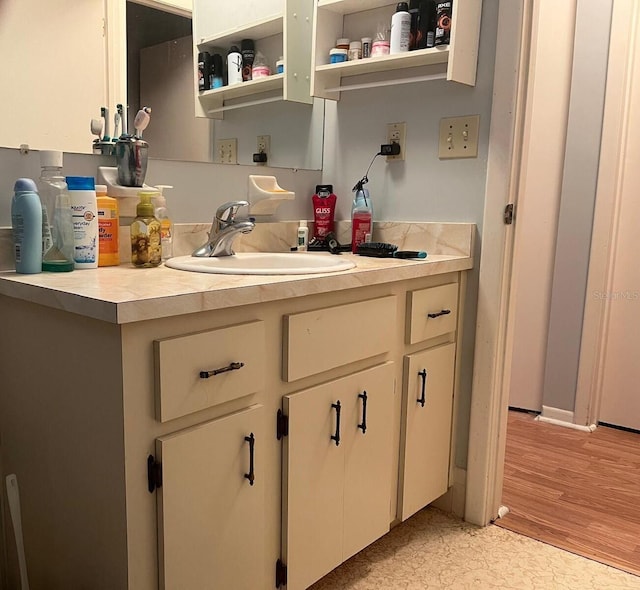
x=508, y=214
x=281, y=574
x=154, y=473
x=282, y=425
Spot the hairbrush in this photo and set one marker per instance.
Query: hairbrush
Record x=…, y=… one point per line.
x=384, y=250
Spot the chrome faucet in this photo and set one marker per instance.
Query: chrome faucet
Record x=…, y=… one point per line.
x=225, y=228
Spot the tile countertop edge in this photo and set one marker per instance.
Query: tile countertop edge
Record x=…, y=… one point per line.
x=198, y=297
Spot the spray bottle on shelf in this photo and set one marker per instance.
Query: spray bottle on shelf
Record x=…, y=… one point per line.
x=166, y=225
x=361, y=217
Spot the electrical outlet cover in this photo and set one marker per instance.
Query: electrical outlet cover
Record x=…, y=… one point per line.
x=263, y=144
x=459, y=137
x=397, y=133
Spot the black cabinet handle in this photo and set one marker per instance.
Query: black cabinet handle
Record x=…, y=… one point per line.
x=363, y=397
x=230, y=367
x=423, y=398
x=251, y=476
x=336, y=436
x=439, y=313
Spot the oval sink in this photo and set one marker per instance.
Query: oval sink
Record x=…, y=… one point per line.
x=263, y=263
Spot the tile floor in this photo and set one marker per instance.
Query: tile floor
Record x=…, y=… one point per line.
x=432, y=550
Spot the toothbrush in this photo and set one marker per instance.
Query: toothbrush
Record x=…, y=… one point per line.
x=123, y=118
x=96, y=128
x=104, y=113
x=116, y=124
x=141, y=121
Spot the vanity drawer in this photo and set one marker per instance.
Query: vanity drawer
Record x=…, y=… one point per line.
x=179, y=362
x=323, y=339
x=431, y=312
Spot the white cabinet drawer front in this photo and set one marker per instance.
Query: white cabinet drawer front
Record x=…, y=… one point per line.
x=432, y=312
x=235, y=354
x=323, y=339
x=426, y=430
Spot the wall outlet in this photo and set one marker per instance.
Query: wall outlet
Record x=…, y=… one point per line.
x=397, y=133
x=263, y=145
x=226, y=151
x=459, y=137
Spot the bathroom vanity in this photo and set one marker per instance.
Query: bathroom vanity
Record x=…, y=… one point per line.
x=179, y=430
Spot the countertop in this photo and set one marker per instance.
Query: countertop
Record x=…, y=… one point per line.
x=123, y=294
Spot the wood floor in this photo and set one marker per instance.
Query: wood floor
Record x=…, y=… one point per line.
x=575, y=490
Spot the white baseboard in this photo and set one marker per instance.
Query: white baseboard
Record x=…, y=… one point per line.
x=562, y=418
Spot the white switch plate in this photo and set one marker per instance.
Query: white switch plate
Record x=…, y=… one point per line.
x=397, y=133
x=226, y=151
x=459, y=137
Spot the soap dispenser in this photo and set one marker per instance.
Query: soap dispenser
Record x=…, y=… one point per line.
x=166, y=224
x=146, y=246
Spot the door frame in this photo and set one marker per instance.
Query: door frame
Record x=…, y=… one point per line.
x=490, y=390
x=489, y=404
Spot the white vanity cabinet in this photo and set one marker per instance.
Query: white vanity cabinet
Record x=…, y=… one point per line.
x=211, y=504
x=337, y=472
x=135, y=471
x=354, y=19
x=279, y=28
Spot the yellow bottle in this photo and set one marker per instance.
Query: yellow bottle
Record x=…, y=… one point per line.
x=146, y=248
x=108, y=228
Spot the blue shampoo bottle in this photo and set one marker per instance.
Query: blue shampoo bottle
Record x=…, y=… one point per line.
x=26, y=221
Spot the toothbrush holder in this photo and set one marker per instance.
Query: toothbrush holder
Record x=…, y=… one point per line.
x=131, y=159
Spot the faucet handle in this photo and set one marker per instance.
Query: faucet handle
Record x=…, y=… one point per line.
x=228, y=211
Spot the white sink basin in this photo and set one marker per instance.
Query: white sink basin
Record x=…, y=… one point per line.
x=263, y=263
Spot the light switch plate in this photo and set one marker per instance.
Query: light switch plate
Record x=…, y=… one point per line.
x=459, y=137
x=226, y=151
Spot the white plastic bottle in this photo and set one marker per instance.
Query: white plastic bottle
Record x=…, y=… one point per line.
x=303, y=236
x=84, y=207
x=166, y=224
x=400, y=29
x=234, y=66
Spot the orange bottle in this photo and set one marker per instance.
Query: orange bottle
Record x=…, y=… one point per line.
x=108, y=228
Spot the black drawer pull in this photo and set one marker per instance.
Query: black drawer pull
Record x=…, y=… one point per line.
x=336, y=436
x=363, y=397
x=423, y=398
x=251, y=476
x=439, y=313
x=230, y=367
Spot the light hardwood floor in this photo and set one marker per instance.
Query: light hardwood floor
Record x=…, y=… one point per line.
x=575, y=490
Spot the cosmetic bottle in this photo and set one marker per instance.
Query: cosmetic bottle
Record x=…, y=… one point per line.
x=324, y=207
x=361, y=218
x=303, y=236
x=108, y=228
x=204, y=71
x=234, y=66
x=56, y=202
x=400, y=29
x=443, y=23
x=166, y=224
x=26, y=222
x=247, y=50
x=217, y=71
x=84, y=209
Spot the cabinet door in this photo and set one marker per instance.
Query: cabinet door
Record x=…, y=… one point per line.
x=368, y=458
x=336, y=497
x=211, y=519
x=426, y=436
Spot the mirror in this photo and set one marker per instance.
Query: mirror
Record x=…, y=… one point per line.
x=51, y=106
